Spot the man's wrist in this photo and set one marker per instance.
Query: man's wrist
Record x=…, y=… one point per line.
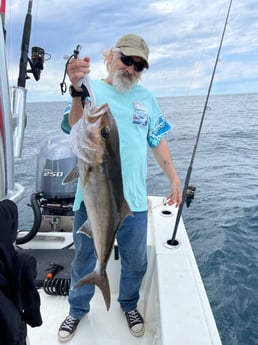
x=82, y=94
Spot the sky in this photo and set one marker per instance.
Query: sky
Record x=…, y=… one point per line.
x=183, y=36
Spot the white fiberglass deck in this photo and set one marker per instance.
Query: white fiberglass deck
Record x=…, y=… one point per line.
x=173, y=299
x=99, y=327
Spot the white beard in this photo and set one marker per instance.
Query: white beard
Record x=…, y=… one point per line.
x=123, y=81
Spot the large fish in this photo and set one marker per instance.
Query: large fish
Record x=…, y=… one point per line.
x=95, y=142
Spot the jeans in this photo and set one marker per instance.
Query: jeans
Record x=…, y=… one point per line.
x=132, y=244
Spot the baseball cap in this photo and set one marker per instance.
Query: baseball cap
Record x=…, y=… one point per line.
x=133, y=45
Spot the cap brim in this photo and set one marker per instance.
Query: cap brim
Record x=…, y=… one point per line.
x=129, y=51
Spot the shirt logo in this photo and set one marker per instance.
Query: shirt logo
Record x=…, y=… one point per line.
x=140, y=115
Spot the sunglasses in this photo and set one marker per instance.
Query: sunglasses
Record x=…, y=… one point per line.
x=129, y=61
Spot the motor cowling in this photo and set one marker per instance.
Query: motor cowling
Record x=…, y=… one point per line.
x=54, y=161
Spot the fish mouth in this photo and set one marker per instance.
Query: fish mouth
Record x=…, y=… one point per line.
x=95, y=113
x=93, y=118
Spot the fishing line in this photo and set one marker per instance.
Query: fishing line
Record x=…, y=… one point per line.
x=75, y=54
x=189, y=191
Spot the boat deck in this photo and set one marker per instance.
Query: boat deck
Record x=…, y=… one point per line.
x=173, y=299
x=99, y=327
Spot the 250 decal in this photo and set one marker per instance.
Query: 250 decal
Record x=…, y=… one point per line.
x=53, y=173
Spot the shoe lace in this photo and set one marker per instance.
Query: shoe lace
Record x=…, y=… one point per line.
x=69, y=323
x=134, y=317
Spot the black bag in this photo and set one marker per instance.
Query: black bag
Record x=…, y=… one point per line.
x=19, y=299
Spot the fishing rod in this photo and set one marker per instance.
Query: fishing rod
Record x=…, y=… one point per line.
x=25, y=47
x=188, y=191
x=19, y=92
x=37, y=54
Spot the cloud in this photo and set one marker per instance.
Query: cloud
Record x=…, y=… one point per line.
x=183, y=37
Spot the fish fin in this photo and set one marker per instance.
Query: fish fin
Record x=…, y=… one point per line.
x=125, y=211
x=85, y=229
x=72, y=175
x=101, y=281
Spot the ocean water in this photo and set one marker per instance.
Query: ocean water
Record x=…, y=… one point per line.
x=222, y=221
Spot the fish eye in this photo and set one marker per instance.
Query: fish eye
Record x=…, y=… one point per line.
x=104, y=133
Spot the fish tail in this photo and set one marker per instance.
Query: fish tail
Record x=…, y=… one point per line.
x=101, y=281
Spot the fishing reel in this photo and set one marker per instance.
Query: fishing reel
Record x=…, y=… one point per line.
x=189, y=196
x=37, y=61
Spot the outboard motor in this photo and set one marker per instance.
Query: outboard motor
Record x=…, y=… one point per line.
x=54, y=161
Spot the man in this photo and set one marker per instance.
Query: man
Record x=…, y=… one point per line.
x=139, y=122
